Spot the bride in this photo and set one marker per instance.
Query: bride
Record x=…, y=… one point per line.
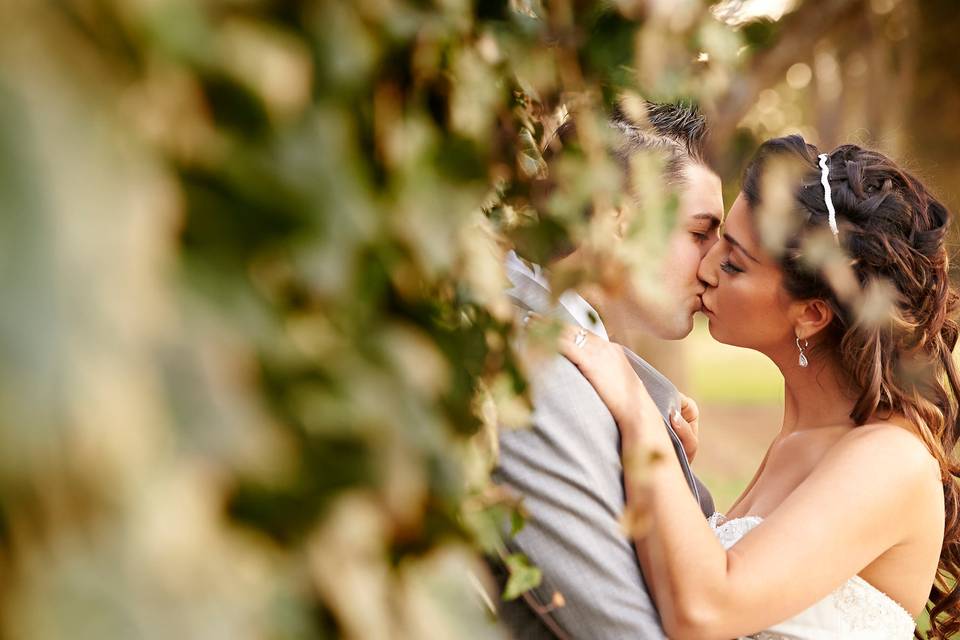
x=853, y=513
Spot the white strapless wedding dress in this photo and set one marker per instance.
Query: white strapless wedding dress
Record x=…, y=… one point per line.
x=855, y=611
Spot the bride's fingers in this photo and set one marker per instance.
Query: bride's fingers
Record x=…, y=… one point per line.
x=690, y=412
x=589, y=353
x=686, y=433
x=573, y=343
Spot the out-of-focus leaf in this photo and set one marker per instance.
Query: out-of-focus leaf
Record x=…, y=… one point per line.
x=523, y=576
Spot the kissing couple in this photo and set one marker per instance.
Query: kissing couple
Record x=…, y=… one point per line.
x=851, y=523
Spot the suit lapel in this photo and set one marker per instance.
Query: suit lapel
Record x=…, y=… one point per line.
x=667, y=399
x=530, y=295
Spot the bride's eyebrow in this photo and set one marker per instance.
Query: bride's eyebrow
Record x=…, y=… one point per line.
x=733, y=241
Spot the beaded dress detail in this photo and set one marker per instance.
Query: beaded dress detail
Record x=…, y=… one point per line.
x=855, y=611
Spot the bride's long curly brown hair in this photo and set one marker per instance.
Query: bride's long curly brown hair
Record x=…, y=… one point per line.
x=893, y=230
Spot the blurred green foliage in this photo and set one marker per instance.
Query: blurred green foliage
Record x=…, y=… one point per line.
x=257, y=345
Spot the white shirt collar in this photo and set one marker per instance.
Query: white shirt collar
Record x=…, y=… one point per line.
x=581, y=310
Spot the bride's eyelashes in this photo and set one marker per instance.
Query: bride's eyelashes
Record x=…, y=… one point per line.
x=729, y=267
x=698, y=237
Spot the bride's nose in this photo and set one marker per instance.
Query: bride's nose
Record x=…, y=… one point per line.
x=709, y=265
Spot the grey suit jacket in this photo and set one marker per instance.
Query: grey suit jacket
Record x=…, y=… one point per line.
x=568, y=469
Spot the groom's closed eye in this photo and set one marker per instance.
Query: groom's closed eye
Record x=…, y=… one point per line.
x=702, y=225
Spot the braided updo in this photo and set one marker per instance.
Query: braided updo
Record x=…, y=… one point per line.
x=893, y=231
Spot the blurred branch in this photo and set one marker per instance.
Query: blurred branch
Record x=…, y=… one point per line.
x=892, y=73
x=800, y=31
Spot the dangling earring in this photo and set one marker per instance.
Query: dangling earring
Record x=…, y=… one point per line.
x=803, y=359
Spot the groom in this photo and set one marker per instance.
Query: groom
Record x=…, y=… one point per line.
x=567, y=466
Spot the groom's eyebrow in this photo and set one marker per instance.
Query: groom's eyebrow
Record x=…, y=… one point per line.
x=732, y=240
x=712, y=218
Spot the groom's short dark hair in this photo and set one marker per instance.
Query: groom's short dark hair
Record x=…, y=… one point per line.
x=676, y=129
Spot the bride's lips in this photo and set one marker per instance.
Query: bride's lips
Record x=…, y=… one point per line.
x=704, y=308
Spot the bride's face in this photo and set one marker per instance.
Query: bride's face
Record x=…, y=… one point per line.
x=743, y=297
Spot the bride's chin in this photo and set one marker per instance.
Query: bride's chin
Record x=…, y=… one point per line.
x=714, y=328
x=717, y=333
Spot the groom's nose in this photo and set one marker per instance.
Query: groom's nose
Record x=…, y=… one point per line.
x=707, y=271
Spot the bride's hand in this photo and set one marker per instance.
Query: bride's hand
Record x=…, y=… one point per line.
x=606, y=366
x=686, y=424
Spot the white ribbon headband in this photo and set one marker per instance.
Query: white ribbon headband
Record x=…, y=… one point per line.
x=824, y=175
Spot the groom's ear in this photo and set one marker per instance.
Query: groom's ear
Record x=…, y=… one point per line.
x=810, y=317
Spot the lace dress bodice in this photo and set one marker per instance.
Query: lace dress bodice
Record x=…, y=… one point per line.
x=855, y=611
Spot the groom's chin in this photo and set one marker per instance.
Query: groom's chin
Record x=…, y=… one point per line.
x=679, y=328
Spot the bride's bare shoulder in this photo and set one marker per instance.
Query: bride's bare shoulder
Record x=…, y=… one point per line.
x=893, y=479
x=895, y=444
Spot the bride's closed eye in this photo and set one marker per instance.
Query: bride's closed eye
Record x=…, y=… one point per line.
x=729, y=267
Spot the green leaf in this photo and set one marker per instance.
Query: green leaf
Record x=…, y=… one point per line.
x=517, y=522
x=523, y=576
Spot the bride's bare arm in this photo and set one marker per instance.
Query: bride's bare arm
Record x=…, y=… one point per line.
x=861, y=500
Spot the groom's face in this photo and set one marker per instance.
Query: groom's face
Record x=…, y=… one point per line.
x=698, y=216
